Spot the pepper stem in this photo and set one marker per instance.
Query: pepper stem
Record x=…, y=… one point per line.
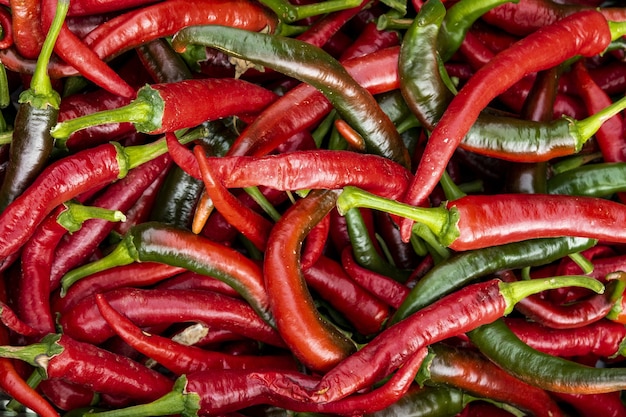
x=516, y=291
x=75, y=214
x=437, y=219
x=586, y=128
x=618, y=29
x=123, y=254
x=41, y=94
x=288, y=13
x=175, y=402
x=36, y=354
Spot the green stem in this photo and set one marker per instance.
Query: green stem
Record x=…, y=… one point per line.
x=36, y=354
x=123, y=254
x=585, y=264
x=288, y=13
x=450, y=189
x=262, y=201
x=437, y=219
x=75, y=214
x=41, y=94
x=175, y=402
x=513, y=292
x=618, y=29
x=385, y=22
x=5, y=94
x=435, y=248
x=586, y=128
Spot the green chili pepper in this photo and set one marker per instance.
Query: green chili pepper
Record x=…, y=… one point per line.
x=428, y=402
x=311, y=65
x=593, y=180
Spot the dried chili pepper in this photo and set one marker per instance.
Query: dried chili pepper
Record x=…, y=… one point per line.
x=584, y=33
x=31, y=143
x=481, y=303
x=313, y=66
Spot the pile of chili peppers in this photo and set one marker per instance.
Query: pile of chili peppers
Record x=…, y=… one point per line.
x=295, y=208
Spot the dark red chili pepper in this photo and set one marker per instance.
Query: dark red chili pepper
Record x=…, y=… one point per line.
x=473, y=373
x=147, y=307
x=60, y=356
x=156, y=242
x=13, y=322
x=96, y=7
x=190, y=280
x=324, y=28
x=370, y=40
x=590, y=405
x=309, y=64
x=168, y=107
x=315, y=243
x=314, y=341
x=384, y=288
x=67, y=396
x=481, y=303
x=73, y=51
x=365, y=312
x=584, y=33
x=27, y=33
x=180, y=358
x=31, y=143
x=80, y=245
x=251, y=224
x=603, y=338
x=7, y=30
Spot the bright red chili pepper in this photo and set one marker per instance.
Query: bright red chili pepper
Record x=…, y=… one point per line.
x=26, y=27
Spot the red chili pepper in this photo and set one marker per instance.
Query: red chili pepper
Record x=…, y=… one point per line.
x=584, y=33
x=190, y=280
x=365, y=312
x=481, y=303
x=315, y=243
x=370, y=40
x=180, y=358
x=590, y=405
x=26, y=27
x=603, y=338
x=147, y=307
x=316, y=343
x=67, y=396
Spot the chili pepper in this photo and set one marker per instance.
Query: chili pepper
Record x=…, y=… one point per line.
x=603, y=338
x=36, y=261
x=606, y=404
x=315, y=243
x=311, y=65
x=192, y=280
x=284, y=171
x=26, y=27
x=133, y=275
x=155, y=242
x=542, y=370
x=80, y=245
x=146, y=307
x=168, y=107
x=473, y=373
x=67, y=396
x=60, y=356
x=162, y=63
x=179, y=358
x=327, y=278
x=370, y=39
x=31, y=143
x=317, y=344
x=177, y=198
x=481, y=303
x=402, y=254
x=572, y=33
x=483, y=221
x=428, y=402
x=90, y=7
x=466, y=267
x=252, y=225
x=384, y=288
x=7, y=40
x=593, y=180
x=324, y=28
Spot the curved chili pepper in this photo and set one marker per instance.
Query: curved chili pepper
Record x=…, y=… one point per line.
x=428, y=401
x=156, y=242
x=466, y=267
x=27, y=33
x=7, y=30
x=499, y=344
x=146, y=307
x=315, y=243
x=67, y=396
x=604, y=338
x=60, y=356
x=179, y=358
x=481, y=303
x=473, y=373
x=489, y=220
x=190, y=280
x=370, y=39
x=168, y=107
x=593, y=180
x=584, y=33
x=311, y=65
x=31, y=143
x=327, y=278
x=315, y=342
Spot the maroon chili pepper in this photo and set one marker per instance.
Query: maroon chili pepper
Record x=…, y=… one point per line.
x=370, y=40
x=151, y=307
x=290, y=171
x=603, y=338
x=481, y=303
x=251, y=224
x=585, y=33
x=67, y=396
x=328, y=279
x=384, y=288
x=324, y=28
x=590, y=405
x=80, y=245
x=315, y=243
x=190, y=280
x=133, y=275
x=316, y=343
x=180, y=358
x=12, y=321
x=97, y=7
x=60, y=356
